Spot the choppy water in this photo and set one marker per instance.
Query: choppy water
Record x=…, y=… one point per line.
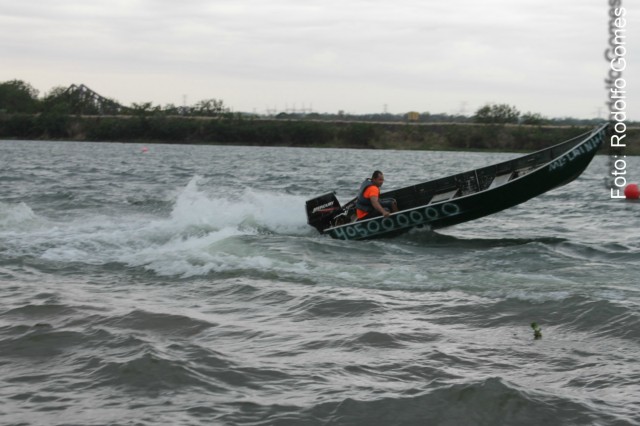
x=182, y=286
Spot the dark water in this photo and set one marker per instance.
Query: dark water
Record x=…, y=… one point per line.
x=182, y=286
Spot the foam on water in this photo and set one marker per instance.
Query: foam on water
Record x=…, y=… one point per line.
x=202, y=232
x=17, y=215
x=250, y=209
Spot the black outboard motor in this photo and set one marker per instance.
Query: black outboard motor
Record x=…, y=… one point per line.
x=321, y=210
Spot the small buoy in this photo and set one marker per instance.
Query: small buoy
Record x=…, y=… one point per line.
x=632, y=192
x=145, y=149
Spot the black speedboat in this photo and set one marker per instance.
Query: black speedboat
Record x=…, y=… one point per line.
x=462, y=197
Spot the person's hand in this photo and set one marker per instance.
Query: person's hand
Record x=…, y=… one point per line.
x=386, y=214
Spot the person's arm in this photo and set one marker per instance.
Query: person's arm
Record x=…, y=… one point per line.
x=376, y=205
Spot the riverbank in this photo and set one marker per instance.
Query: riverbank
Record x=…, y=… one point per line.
x=295, y=133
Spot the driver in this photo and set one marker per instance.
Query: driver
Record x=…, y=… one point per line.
x=369, y=204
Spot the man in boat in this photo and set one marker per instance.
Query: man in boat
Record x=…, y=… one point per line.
x=369, y=204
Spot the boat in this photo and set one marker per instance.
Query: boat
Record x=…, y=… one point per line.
x=464, y=196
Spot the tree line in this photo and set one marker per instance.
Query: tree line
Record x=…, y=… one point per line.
x=19, y=97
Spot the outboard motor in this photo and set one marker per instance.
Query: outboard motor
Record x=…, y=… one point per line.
x=321, y=210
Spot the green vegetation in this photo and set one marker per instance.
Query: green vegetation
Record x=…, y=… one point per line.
x=18, y=97
x=78, y=113
x=537, y=331
x=497, y=114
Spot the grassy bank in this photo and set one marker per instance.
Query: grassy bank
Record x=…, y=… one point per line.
x=294, y=133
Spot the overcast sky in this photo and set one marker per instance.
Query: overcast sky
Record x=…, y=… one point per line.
x=359, y=56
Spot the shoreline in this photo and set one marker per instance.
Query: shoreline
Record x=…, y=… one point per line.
x=300, y=133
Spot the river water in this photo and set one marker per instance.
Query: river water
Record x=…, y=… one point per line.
x=181, y=285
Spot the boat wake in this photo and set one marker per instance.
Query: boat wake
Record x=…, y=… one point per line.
x=200, y=233
x=249, y=211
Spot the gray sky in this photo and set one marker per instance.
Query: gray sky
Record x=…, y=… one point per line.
x=359, y=56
